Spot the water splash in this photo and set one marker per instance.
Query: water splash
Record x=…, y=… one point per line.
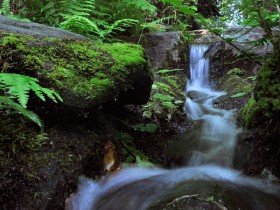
x=218, y=133
x=142, y=188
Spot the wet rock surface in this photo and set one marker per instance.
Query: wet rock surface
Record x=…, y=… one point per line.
x=166, y=50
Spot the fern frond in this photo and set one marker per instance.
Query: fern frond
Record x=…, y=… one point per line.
x=18, y=86
x=7, y=103
x=79, y=7
x=144, y=5
x=119, y=25
x=6, y=7
x=81, y=25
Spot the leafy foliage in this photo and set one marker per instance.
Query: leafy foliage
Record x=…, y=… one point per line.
x=6, y=7
x=7, y=103
x=79, y=19
x=237, y=95
x=16, y=86
x=149, y=127
x=165, y=100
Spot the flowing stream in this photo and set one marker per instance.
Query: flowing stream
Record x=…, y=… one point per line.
x=217, y=137
x=207, y=173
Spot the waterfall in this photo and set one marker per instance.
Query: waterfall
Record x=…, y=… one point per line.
x=207, y=174
x=217, y=135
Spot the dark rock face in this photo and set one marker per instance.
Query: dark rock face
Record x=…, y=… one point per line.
x=166, y=50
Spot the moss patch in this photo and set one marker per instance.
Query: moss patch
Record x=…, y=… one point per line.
x=246, y=113
x=236, y=81
x=267, y=92
x=90, y=70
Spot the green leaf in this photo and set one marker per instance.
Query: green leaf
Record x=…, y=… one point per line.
x=143, y=163
x=169, y=105
x=238, y=95
x=164, y=71
x=154, y=87
x=163, y=97
x=173, y=2
x=7, y=103
x=178, y=102
x=147, y=114
x=18, y=86
x=149, y=127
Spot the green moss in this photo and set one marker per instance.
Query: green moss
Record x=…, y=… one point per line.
x=33, y=59
x=236, y=71
x=247, y=112
x=128, y=54
x=87, y=68
x=18, y=135
x=267, y=92
x=235, y=82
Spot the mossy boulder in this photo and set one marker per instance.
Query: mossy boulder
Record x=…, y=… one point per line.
x=238, y=85
x=84, y=72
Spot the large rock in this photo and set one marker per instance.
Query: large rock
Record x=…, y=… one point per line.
x=85, y=73
x=249, y=39
x=166, y=50
x=8, y=25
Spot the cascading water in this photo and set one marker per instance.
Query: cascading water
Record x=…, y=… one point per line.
x=153, y=188
x=218, y=132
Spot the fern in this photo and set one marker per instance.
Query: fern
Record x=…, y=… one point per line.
x=79, y=7
x=7, y=103
x=143, y=5
x=6, y=7
x=18, y=86
x=119, y=26
x=78, y=20
x=81, y=25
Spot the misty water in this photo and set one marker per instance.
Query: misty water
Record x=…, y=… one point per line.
x=207, y=172
x=216, y=140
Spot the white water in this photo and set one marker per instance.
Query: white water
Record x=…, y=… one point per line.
x=140, y=188
x=218, y=132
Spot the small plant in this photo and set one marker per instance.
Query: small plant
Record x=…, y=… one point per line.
x=15, y=89
x=165, y=100
x=149, y=127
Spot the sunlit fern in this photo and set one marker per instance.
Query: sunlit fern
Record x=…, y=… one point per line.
x=142, y=5
x=78, y=19
x=6, y=7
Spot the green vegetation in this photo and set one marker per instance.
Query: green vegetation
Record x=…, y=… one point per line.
x=15, y=86
x=247, y=112
x=267, y=92
x=236, y=83
x=16, y=134
x=91, y=70
x=167, y=96
x=130, y=152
